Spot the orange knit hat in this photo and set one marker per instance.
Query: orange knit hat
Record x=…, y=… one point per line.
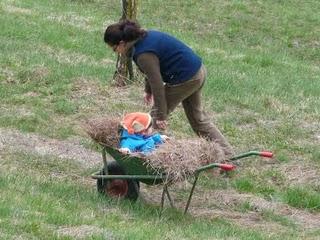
x=136, y=122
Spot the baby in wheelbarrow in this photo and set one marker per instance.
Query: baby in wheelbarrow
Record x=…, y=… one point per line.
x=137, y=134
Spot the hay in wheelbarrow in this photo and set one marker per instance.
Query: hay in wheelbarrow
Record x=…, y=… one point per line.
x=178, y=158
x=104, y=130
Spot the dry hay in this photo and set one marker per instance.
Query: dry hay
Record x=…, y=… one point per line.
x=104, y=130
x=181, y=158
x=177, y=158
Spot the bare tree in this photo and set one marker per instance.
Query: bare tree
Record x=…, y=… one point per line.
x=124, y=66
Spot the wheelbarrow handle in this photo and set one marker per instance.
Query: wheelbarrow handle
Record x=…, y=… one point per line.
x=266, y=154
x=224, y=166
x=227, y=167
x=251, y=153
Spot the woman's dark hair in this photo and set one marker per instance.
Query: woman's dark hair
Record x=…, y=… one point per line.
x=124, y=30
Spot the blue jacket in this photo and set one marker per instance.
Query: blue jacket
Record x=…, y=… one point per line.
x=139, y=143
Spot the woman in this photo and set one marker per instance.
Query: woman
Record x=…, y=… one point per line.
x=174, y=74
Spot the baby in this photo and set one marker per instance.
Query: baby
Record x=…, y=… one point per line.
x=137, y=135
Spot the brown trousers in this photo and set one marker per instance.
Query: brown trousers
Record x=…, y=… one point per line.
x=189, y=93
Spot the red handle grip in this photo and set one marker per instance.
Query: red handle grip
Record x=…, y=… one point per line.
x=266, y=154
x=227, y=167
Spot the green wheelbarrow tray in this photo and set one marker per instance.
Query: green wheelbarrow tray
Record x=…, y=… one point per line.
x=135, y=168
x=120, y=178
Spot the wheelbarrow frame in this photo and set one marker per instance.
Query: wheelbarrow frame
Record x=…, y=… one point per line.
x=136, y=169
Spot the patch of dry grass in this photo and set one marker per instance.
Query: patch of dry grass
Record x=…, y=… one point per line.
x=83, y=232
x=18, y=10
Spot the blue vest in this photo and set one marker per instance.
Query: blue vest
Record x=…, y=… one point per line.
x=178, y=63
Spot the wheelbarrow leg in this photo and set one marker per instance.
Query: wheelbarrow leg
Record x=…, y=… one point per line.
x=191, y=192
x=165, y=191
x=105, y=163
x=162, y=199
x=169, y=197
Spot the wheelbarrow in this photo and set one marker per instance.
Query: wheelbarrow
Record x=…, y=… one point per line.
x=121, y=177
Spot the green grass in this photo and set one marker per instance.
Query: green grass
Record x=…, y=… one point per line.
x=303, y=198
x=262, y=89
x=47, y=198
x=272, y=185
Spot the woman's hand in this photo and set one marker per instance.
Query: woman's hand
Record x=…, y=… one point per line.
x=148, y=98
x=162, y=124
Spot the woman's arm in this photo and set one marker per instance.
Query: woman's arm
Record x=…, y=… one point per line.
x=149, y=64
x=148, y=97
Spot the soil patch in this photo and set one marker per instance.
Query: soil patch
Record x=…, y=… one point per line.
x=226, y=204
x=14, y=140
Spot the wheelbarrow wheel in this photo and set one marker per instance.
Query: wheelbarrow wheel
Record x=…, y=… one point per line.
x=118, y=188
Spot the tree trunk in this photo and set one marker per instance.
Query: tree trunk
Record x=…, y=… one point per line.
x=124, y=72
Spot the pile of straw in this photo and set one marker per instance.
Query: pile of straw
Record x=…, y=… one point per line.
x=177, y=158
x=104, y=130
